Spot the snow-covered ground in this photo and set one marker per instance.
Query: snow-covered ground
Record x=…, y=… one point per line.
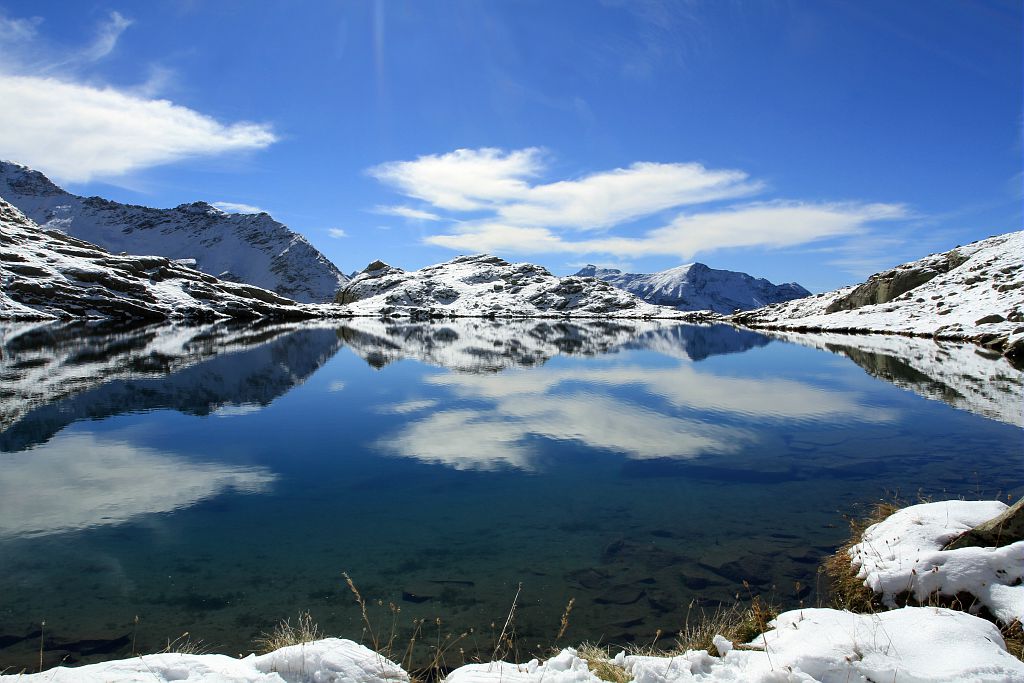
x=250, y=248
x=909, y=645
x=958, y=373
x=482, y=285
x=696, y=287
x=46, y=274
x=974, y=292
x=904, y=554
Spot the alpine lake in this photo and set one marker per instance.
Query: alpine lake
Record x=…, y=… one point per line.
x=216, y=480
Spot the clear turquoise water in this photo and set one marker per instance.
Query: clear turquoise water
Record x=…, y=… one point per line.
x=227, y=484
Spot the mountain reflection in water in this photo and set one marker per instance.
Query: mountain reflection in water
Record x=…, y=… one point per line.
x=635, y=466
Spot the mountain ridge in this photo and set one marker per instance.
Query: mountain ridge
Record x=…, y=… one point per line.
x=696, y=287
x=250, y=248
x=481, y=285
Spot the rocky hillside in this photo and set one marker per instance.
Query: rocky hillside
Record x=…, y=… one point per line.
x=482, y=285
x=250, y=248
x=973, y=292
x=696, y=287
x=46, y=274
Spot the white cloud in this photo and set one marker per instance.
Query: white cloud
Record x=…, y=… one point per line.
x=490, y=179
x=12, y=30
x=79, y=132
x=61, y=120
x=463, y=180
x=233, y=207
x=407, y=212
x=337, y=233
x=99, y=484
x=754, y=225
x=522, y=216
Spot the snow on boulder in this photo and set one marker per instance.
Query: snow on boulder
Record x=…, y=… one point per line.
x=487, y=286
x=331, y=659
x=565, y=667
x=323, y=661
x=904, y=554
x=909, y=645
x=160, y=668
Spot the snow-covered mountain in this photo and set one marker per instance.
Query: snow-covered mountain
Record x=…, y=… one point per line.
x=696, y=287
x=250, y=248
x=482, y=286
x=46, y=274
x=973, y=292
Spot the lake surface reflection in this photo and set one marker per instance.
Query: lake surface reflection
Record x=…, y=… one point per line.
x=218, y=479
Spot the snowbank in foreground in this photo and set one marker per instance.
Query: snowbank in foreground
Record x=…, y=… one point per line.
x=904, y=554
x=322, y=661
x=909, y=645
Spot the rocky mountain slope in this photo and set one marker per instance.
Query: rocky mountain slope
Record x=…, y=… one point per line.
x=973, y=292
x=250, y=248
x=482, y=285
x=46, y=274
x=696, y=287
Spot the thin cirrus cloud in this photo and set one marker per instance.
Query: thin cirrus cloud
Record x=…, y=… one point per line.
x=511, y=211
x=235, y=207
x=63, y=123
x=407, y=212
x=336, y=233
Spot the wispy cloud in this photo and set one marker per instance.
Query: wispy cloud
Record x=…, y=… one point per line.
x=337, y=233
x=58, y=119
x=509, y=211
x=234, y=207
x=407, y=212
x=106, y=38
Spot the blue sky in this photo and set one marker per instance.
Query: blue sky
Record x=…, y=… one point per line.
x=813, y=141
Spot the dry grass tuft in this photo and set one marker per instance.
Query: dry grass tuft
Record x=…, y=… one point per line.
x=284, y=634
x=597, y=659
x=1013, y=635
x=847, y=591
x=184, y=645
x=737, y=623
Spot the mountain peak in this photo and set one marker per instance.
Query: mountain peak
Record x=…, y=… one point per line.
x=255, y=249
x=696, y=286
x=17, y=178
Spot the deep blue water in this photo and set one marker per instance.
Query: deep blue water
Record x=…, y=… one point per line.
x=218, y=480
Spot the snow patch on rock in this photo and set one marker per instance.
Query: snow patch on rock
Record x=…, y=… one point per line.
x=904, y=554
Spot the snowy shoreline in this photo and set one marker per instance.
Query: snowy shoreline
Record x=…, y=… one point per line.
x=901, y=555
